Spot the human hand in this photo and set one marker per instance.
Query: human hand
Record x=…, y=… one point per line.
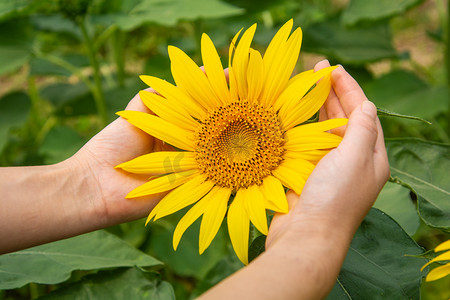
x=344, y=184
x=118, y=142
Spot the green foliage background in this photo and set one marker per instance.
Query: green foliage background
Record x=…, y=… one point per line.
x=66, y=66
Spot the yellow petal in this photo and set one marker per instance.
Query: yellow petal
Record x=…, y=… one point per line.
x=255, y=76
x=238, y=226
x=274, y=195
x=193, y=214
x=213, y=216
x=441, y=257
x=315, y=127
x=240, y=61
x=169, y=91
x=191, y=78
x=443, y=246
x=160, y=129
x=300, y=76
x=293, y=173
x=276, y=44
x=298, y=141
x=438, y=273
x=233, y=84
x=313, y=156
x=277, y=77
x=214, y=70
x=162, y=184
x=162, y=162
x=168, y=110
x=297, y=89
x=308, y=105
x=183, y=196
x=233, y=47
x=256, y=208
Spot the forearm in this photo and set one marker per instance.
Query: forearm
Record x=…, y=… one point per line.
x=301, y=265
x=45, y=203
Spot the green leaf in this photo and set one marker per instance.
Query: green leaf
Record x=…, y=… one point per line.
x=123, y=283
x=39, y=66
x=56, y=23
x=14, y=8
x=384, y=112
x=257, y=247
x=14, y=110
x=53, y=263
x=167, y=12
x=69, y=99
x=349, y=45
x=376, y=266
x=423, y=167
x=14, y=46
x=228, y=265
x=403, y=92
x=375, y=10
x=396, y=202
x=186, y=261
x=60, y=143
x=12, y=58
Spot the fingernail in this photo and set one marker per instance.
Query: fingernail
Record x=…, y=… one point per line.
x=369, y=109
x=339, y=65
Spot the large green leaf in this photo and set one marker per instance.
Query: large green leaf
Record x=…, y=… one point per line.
x=69, y=99
x=14, y=46
x=186, y=261
x=14, y=8
x=423, y=166
x=375, y=10
x=396, y=202
x=14, y=110
x=124, y=283
x=376, y=266
x=54, y=262
x=228, y=265
x=56, y=23
x=349, y=45
x=403, y=92
x=166, y=12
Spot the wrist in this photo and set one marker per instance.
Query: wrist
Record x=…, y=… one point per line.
x=85, y=195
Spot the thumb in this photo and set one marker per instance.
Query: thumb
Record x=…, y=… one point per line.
x=362, y=131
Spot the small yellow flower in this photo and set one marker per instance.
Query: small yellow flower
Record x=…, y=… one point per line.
x=238, y=137
x=442, y=271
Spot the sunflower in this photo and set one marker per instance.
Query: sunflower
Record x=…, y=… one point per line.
x=441, y=271
x=239, y=138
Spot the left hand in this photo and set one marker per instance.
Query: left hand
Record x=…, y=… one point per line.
x=115, y=144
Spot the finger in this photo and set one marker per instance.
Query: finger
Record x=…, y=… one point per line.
x=332, y=106
x=323, y=114
x=362, y=130
x=137, y=104
x=380, y=157
x=347, y=90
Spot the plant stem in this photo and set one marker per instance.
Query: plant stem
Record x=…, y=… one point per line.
x=35, y=104
x=118, y=38
x=97, y=89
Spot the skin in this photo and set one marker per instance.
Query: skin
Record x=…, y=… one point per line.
x=306, y=246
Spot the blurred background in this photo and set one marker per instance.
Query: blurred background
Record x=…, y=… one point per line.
x=66, y=66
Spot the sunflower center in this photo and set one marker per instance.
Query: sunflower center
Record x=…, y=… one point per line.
x=239, y=144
